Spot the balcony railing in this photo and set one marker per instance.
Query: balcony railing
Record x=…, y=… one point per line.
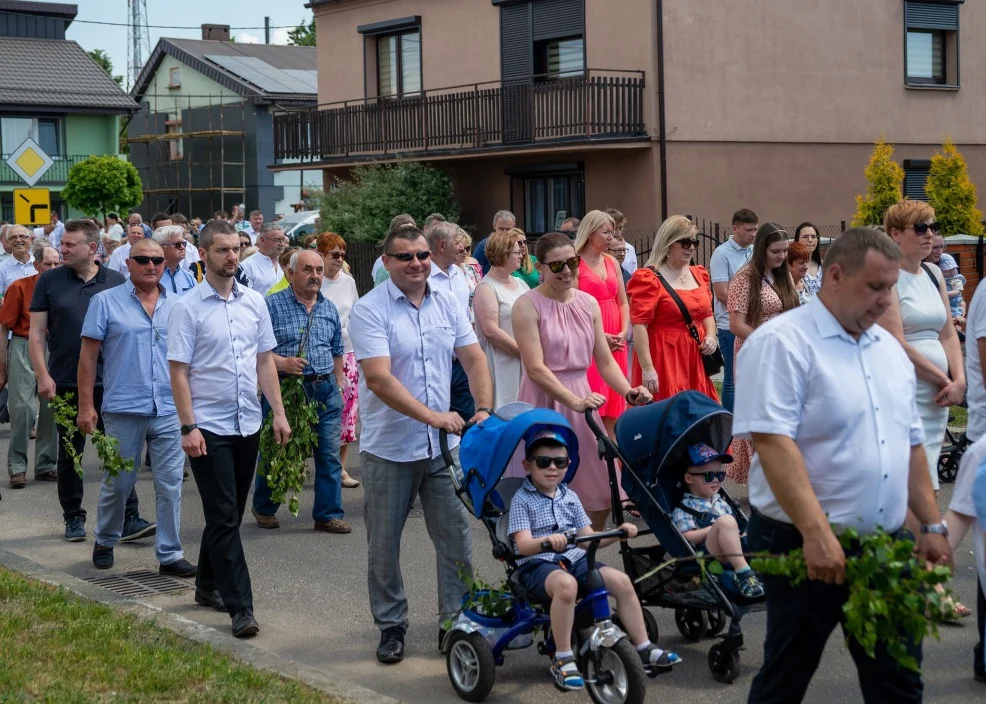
x=539, y=110
x=56, y=175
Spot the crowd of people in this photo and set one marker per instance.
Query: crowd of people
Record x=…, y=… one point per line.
x=163, y=334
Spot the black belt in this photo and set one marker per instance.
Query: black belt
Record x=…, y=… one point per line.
x=309, y=378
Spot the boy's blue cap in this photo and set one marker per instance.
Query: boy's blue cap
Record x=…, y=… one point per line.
x=543, y=435
x=701, y=454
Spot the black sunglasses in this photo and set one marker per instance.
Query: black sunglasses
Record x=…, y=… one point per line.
x=544, y=462
x=687, y=243
x=143, y=260
x=340, y=255
x=710, y=477
x=180, y=244
x=922, y=228
x=572, y=263
x=407, y=256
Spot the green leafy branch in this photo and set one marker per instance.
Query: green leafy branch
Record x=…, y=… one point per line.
x=494, y=601
x=285, y=467
x=107, y=447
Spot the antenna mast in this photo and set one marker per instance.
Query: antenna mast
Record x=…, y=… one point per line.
x=139, y=41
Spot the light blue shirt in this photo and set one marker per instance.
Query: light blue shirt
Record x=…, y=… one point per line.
x=136, y=378
x=728, y=258
x=848, y=404
x=11, y=270
x=219, y=340
x=419, y=343
x=178, y=282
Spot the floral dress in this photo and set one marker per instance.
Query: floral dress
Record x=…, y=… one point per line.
x=813, y=284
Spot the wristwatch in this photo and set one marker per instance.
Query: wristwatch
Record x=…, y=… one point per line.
x=487, y=411
x=936, y=529
x=186, y=429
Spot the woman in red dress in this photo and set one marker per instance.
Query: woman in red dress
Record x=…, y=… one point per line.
x=600, y=277
x=667, y=358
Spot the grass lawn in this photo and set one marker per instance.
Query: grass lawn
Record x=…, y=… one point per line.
x=57, y=647
x=959, y=417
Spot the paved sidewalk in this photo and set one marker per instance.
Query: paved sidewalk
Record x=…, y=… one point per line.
x=310, y=596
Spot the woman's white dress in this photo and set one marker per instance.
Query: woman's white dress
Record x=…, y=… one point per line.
x=505, y=369
x=923, y=315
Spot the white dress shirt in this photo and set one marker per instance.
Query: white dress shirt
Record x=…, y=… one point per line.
x=253, y=234
x=262, y=272
x=452, y=282
x=118, y=260
x=849, y=405
x=975, y=330
x=419, y=343
x=344, y=294
x=630, y=261
x=220, y=341
x=11, y=270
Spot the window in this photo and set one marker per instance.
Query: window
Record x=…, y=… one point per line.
x=399, y=64
x=915, y=176
x=549, y=200
x=46, y=131
x=176, y=147
x=174, y=77
x=48, y=136
x=931, y=43
x=559, y=58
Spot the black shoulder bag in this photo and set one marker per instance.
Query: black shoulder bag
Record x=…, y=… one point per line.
x=714, y=362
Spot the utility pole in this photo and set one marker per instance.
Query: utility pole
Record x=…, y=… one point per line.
x=267, y=30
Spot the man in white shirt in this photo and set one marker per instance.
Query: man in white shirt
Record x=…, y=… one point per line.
x=118, y=260
x=20, y=265
x=728, y=258
x=262, y=268
x=256, y=225
x=175, y=278
x=629, y=263
x=828, y=399
x=52, y=231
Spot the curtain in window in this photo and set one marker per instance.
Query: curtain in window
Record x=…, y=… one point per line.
x=387, y=64
x=925, y=55
x=566, y=57
x=13, y=131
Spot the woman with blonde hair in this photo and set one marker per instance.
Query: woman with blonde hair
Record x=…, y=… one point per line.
x=600, y=277
x=526, y=272
x=668, y=357
x=469, y=266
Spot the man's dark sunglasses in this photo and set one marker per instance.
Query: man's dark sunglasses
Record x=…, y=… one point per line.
x=710, y=477
x=922, y=228
x=180, y=244
x=145, y=260
x=572, y=263
x=407, y=256
x=544, y=462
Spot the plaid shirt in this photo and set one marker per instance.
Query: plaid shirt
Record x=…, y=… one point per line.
x=290, y=321
x=716, y=506
x=543, y=516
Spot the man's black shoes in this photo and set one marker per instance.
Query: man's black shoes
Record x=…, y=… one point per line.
x=391, y=648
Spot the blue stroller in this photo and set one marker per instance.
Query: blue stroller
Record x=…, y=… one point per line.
x=652, y=446
x=475, y=643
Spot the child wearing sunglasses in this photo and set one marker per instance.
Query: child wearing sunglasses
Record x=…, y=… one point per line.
x=545, y=510
x=706, y=520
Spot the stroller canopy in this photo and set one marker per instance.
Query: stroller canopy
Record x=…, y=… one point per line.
x=487, y=449
x=654, y=439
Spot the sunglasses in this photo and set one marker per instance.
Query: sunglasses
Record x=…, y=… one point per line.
x=177, y=245
x=407, y=256
x=143, y=260
x=710, y=477
x=543, y=462
x=338, y=255
x=557, y=267
x=687, y=243
x=922, y=228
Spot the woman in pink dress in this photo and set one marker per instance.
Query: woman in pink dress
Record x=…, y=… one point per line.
x=560, y=334
x=600, y=276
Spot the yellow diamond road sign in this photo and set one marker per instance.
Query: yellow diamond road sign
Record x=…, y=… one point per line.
x=32, y=206
x=29, y=161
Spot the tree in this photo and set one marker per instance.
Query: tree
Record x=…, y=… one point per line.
x=103, y=184
x=886, y=180
x=361, y=208
x=952, y=194
x=303, y=34
x=104, y=61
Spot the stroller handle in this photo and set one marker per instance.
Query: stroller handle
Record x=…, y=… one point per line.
x=443, y=443
x=590, y=419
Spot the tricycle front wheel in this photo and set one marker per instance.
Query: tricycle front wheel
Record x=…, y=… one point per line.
x=471, y=666
x=615, y=675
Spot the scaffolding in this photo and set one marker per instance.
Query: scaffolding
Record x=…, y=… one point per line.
x=178, y=168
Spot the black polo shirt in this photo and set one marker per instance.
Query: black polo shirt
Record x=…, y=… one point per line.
x=65, y=297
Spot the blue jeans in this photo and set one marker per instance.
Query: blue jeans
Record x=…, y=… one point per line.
x=163, y=437
x=328, y=466
x=726, y=340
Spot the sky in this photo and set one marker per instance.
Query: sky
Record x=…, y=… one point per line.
x=245, y=17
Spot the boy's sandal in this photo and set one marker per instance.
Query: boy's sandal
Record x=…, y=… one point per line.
x=659, y=661
x=566, y=674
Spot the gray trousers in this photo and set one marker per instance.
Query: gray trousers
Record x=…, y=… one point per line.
x=389, y=489
x=23, y=394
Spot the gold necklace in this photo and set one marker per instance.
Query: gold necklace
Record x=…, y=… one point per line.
x=681, y=277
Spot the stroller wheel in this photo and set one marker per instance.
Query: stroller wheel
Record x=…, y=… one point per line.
x=717, y=621
x=724, y=663
x=691, y=623
x=650, y=622
x=471, y=667
x=948, y=467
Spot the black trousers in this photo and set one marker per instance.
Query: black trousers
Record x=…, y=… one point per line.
x=799, y=622
x=224, y=476
x=70, y=484
x=460, y=399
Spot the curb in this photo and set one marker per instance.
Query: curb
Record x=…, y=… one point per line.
x=240, y=650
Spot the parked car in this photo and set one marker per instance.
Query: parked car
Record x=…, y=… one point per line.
x=298, y=226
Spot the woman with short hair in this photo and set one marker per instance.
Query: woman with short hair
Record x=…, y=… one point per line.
x=798, y=257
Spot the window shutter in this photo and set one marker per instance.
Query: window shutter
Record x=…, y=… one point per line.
x=553, y=19
x=516, y=45
x=915, y=175
x=930, y=15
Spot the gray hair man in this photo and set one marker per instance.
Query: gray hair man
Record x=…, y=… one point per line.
x=20, y=264
x=175, y=278
x=503, y=221
x=262, y=269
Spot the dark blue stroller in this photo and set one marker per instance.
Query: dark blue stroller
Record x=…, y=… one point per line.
x=476, y=641
x=652, y=447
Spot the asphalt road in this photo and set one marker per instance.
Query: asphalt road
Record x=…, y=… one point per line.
x=310, y=597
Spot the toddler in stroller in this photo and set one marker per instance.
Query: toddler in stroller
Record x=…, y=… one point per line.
x=706, y=521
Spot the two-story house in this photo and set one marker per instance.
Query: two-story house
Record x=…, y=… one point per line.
x=53, y=92
x=553, y=107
